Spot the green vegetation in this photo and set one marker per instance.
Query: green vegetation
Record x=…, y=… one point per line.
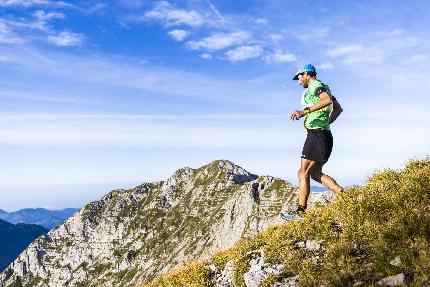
x=360, y=233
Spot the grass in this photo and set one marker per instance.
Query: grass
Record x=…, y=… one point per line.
x=360, y=233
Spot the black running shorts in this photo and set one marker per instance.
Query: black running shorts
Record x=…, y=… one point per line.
x=318, y=145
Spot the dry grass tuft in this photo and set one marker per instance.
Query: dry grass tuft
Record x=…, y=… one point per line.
x=361, y=232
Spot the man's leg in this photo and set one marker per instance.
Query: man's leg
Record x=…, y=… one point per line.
x=304, y=181
x=327, y=181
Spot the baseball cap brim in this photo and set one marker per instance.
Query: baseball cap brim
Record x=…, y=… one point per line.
x=296, y=77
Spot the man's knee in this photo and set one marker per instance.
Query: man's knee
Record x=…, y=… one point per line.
x=303, y=173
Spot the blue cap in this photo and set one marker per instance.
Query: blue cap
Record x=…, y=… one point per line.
x=304, y=68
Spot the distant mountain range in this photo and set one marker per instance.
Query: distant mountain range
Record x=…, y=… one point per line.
x=15, y=238
x=40, y=216
x=318, y=188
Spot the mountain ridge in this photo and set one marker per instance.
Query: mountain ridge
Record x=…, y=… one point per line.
x=14, y=238
x=39, y=216
x=131, y=236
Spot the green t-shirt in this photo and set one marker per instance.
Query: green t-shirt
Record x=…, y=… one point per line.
x=318, y=119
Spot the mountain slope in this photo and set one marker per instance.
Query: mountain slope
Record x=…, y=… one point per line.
x=374, y=235
x=40, y=216
x=15, y=238
x=131, y=236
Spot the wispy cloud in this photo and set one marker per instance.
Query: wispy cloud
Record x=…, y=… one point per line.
x=325, y=66
x=7, y=36
x=171, y=16
x=30, y=3
x=42, y=19
x=345, y=50
x=146, y=78
x=36, y=26
x=39, y=20
x=356, y=54
x=262, y=21
x=144, y=130
x=244, y=53
x=417, y=58
x=313, y=34
x=220, y=41
x=206, y=56
x=132, y=3
x=279, y=57
x=367, y=56
x=23, y=3
x=96, y=8
x=39, y=97
x=65, y=39
x=216, y=12
x=276, y=37
x=178, y=35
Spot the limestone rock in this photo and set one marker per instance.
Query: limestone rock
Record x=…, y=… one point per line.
x=395, y=280
x=223, y=278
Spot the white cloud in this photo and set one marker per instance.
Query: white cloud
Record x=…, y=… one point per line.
x=313, y=34
x=7, y=36
x=244, y=53
x=262, y=21
x=170, y=16
x=398, y=31
x=356, y=54
x=109, y=73
x=325, y=66
x=42, y=18
x=30, y=3
x=96, y=8
x=178, y=35
x=220, y=41
x=132, y=3
x=276, y=37
x=40, y=21
x=4, y=59
x=206, y=56
x=24, y=3
x=371, y=55
x=66, y=38
x=216, y=12
x=418, y=58
x=344, y=50
x=280, y=57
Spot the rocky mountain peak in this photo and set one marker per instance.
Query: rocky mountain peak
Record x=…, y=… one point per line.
x=132, y=235
x=224, y=173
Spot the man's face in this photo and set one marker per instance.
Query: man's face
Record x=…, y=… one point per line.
x=303, y=80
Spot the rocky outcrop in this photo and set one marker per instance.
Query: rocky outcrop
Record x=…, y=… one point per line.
x=132, y=236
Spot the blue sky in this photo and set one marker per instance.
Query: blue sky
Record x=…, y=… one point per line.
x=103, y=95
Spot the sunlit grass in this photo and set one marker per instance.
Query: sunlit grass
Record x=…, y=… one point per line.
x=361, y=232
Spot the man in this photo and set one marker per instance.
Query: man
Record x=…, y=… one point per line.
x=320, y=109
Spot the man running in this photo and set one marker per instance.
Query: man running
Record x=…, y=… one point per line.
x=320, y=109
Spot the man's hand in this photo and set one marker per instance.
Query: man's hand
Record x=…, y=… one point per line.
x=296, y=115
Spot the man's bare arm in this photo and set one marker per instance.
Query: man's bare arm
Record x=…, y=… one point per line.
x=324, y=102
x=337, y=110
